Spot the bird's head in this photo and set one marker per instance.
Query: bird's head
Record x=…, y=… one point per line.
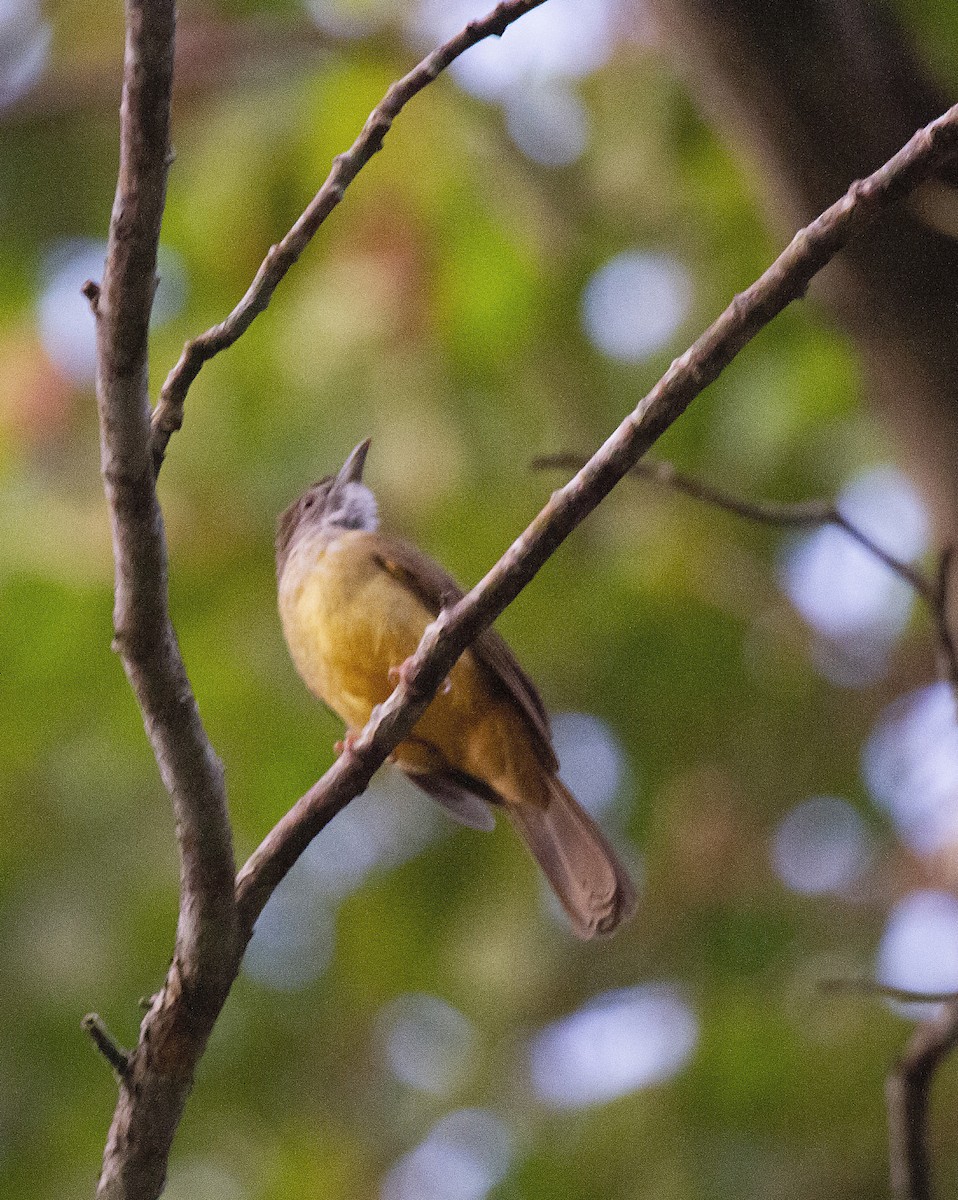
x=340, y=501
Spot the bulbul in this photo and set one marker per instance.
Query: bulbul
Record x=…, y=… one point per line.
x=354, y=604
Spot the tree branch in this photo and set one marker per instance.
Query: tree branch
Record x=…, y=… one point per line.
x=160, y=1070
x=886, y=991
x=447, y=637
x=909, y=1082
x=933, y=593
x=813, y=94
x=168, y=414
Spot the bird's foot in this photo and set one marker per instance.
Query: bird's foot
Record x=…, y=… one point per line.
x=347, y=745
x=401, y=674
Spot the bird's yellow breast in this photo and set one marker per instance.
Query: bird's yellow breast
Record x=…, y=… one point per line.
x=349, y=621
x=346, y=622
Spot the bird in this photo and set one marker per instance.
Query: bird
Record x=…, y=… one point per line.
x=354, y=603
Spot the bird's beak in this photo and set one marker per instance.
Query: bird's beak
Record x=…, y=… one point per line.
x=352, y=469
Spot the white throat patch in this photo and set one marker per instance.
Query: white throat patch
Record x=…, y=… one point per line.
x=356, y=508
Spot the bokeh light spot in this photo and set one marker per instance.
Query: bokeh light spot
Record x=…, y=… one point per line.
x=387, y=825
x=910, y=765
x=635, y=304
x=548, y=122
x=621, y=1042
x=843, y=590
x=919, y=949
x=822, y=845
x=464, y=1157
x=64, y=320
x=591, y=760
x=24, y=48
x=562, y=39
x=428, y=1044
x=857, y=604
x=885, y=506
x=293, y=938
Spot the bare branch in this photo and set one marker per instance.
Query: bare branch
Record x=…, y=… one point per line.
x=154, y=1088
x=448, y=636
x=773, y=79
x=803, y=515
x=800, y=515
x=144, y=635
x=908, y=1083
x=168, y=414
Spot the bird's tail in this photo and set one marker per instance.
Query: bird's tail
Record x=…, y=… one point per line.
x=584, y=871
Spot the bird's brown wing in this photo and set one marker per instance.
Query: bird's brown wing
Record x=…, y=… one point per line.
x=436, y=590
x=581, y=866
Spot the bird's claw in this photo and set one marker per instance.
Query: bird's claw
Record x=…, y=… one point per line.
x=347, y=745
x=401, y=674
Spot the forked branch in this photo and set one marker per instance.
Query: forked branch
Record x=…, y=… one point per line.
x=908, y=1098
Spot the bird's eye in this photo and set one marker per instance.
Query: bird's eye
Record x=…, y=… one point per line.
x=308, y=502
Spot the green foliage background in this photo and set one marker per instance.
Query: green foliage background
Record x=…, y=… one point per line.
x=439, y=312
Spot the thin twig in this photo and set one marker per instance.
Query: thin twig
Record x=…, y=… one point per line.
x=801, y=515
x=118, y=1059
x=908, y=1083
x=885, y=991
x=804, y=514
x=168, y=414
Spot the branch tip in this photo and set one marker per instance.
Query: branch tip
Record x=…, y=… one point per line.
x=91, y=291
x=118, y=1059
